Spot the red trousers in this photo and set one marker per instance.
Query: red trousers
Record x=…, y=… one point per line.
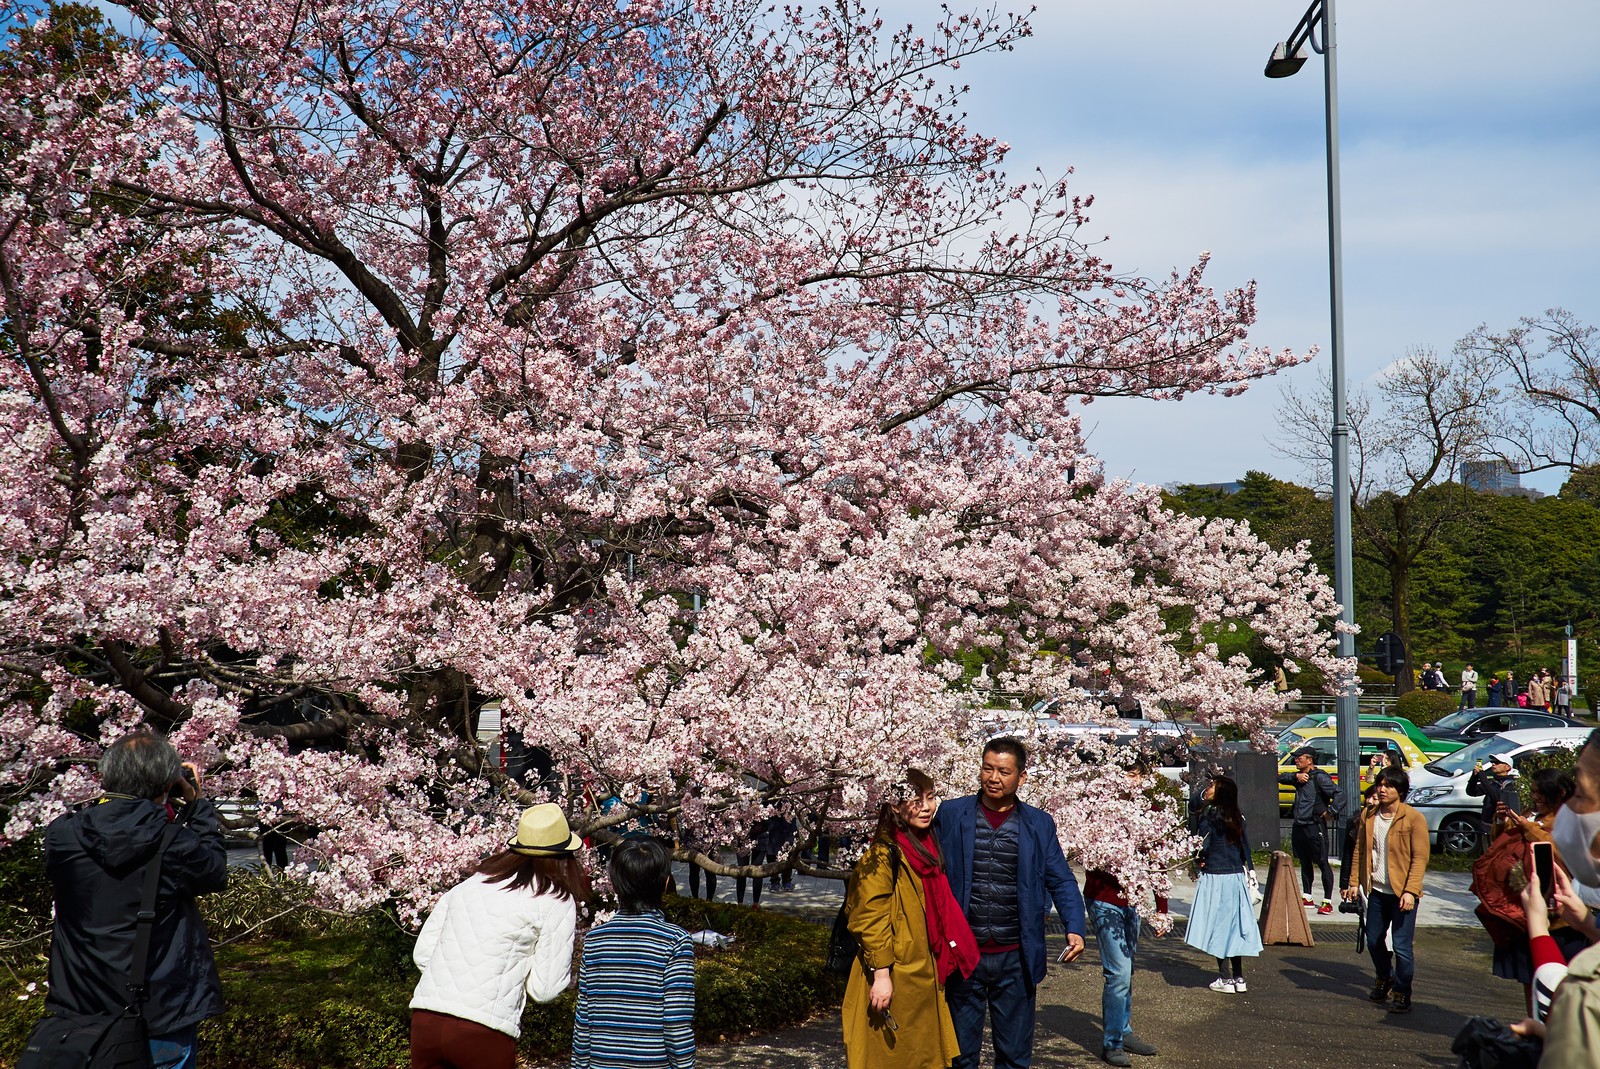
x=439, y=1041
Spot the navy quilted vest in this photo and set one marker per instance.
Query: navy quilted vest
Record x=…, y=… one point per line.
x=992, y=909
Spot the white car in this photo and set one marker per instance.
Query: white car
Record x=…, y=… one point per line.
x=1168, y=740
x=1439, y=788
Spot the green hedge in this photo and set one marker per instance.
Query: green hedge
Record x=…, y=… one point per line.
x=1562, y=759
x=332, y=992
x=1425, y=706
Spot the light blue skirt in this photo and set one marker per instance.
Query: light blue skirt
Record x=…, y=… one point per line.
x=1222, y=922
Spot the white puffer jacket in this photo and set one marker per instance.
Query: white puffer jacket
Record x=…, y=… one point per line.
x=483, y=946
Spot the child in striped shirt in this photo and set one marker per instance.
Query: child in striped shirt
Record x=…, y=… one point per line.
x=636, y=979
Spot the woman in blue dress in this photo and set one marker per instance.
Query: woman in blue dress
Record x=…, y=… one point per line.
x=1222, y=921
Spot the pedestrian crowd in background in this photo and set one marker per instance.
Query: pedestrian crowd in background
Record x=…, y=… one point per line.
x=946, y=907
x=1544, y=689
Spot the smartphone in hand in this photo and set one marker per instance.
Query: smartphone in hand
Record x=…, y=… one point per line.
x=1544, y=866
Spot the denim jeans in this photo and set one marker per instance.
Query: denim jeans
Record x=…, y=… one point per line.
x=1384, y=914
x=1116, y=928
x=174, y=1050
x=998, y=988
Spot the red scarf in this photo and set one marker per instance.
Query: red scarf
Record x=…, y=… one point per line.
x=955, y=948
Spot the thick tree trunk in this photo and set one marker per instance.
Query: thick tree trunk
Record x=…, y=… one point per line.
x=1399, y=588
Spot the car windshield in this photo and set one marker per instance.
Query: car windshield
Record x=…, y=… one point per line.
x=1463, y=759
x=1311, y=720
x=1457, y=720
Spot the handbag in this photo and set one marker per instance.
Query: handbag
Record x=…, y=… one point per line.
x=843, y=947
x=1252, y=885
x=106, y=1040
x=1485, y=1043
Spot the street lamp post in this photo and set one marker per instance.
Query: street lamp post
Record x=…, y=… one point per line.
x=1287, y=58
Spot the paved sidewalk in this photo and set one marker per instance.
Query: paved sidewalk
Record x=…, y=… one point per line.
x=1306, y=1009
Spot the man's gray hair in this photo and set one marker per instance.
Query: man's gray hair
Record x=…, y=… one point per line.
x=142, y=764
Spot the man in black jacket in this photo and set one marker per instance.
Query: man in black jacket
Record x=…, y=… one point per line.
x=1497, y=786
x=1316, y=799
x=96, y=858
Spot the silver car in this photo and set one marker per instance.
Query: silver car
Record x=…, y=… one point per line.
x=1439, y=788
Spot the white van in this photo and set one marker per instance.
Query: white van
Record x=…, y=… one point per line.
x=1439, y=788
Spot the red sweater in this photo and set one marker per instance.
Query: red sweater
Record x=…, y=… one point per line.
x=1101, y=886
x=1546, y=951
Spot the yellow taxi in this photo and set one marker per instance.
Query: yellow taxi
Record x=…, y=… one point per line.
x=1372, y=742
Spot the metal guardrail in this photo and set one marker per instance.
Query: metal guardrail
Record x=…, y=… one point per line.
x=1305, y=705
x=1372, y=700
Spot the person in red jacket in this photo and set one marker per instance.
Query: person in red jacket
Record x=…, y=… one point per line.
x=1116, y=927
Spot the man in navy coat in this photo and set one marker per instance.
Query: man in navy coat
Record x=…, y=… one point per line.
x=1005, y=867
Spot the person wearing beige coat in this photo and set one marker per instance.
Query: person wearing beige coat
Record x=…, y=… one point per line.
x=895, y=1014
x=1388, y=863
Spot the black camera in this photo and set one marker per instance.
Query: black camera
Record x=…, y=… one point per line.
x=1349, y=907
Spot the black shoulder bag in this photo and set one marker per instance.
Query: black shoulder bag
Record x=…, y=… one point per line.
x=106, y=1040
x=843, y=947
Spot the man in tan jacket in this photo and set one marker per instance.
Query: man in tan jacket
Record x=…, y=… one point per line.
x=1390, y=857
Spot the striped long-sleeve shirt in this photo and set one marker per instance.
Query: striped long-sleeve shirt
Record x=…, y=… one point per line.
x=635, y=996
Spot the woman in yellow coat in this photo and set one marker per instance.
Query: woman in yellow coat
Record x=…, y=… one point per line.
x=913, y=936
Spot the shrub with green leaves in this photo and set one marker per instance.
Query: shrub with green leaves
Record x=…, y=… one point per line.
x=1561, y=759
x=1426, y=706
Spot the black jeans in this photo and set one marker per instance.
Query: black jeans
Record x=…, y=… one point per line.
x=694, y=882
x=756, y=856
x=1311, y=847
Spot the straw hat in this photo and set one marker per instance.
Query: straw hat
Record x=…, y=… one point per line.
x=542, y=831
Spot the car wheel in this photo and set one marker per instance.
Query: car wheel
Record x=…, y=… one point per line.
x=1459, y=836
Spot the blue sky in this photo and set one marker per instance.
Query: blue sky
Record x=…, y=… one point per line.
x=1470, y=157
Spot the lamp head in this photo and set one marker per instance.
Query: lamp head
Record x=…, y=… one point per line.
x=1282, y=64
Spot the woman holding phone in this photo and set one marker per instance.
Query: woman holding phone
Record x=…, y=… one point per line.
x=1548, y=792
x=913, y=938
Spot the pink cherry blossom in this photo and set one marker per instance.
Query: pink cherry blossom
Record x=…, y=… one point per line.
x=688, y=379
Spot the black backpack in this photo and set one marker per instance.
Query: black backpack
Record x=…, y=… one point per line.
x=843, y=947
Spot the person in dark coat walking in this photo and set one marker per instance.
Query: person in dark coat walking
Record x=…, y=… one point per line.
x=95, y=858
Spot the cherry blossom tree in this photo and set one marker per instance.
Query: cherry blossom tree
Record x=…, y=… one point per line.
x=685, y=377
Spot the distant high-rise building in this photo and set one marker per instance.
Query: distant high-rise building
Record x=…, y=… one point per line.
x=1494, y=477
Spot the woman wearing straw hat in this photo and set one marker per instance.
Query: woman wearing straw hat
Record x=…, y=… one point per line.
x=501, y=935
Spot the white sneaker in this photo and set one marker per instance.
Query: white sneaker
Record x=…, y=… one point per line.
x=1223, y=984
x=1239, y=987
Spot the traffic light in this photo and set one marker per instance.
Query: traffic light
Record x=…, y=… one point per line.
x=1391, y=653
